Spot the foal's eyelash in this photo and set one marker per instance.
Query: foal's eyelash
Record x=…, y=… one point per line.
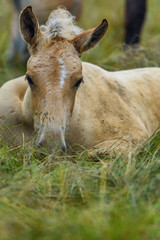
x=29, y=79
x=78, y=83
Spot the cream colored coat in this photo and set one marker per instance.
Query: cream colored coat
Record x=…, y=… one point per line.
x=112, y=109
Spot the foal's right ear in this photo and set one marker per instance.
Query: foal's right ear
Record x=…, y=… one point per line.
x=29, y=25
x=88, y=39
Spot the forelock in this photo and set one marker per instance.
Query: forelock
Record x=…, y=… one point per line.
x=60, y=24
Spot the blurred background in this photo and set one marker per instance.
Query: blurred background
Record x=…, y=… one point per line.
x=110, y=53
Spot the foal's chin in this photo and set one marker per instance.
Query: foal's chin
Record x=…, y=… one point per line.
x=49, y=149
x=51, y=146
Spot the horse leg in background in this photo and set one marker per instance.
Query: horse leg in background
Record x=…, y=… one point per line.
x=134, y=18
x=18, y=52
x=18, y=48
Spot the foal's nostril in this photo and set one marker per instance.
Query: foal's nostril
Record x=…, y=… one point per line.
x=42, y=144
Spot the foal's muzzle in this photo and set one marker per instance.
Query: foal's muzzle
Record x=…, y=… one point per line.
x=51, y=140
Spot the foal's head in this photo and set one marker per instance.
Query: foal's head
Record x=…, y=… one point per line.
x=54, y=70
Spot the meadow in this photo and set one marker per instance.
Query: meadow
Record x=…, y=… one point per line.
x=76, y=196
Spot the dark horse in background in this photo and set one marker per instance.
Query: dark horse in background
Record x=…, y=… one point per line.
x=135, y=11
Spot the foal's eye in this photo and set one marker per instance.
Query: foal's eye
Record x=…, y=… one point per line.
x=29, y=79
x=78, y=83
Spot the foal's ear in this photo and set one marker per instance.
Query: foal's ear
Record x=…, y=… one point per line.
x=90, y=38
x=29, y=25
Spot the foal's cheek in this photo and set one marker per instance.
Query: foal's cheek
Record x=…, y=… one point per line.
x=37, y=100
x=72, y=107
x=69, y=101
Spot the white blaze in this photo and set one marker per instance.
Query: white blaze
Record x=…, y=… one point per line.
x=62, y=72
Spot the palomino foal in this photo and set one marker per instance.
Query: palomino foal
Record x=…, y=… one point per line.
x=68, y=101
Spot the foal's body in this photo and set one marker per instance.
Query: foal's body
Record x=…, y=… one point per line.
x=114, y=105
x=108, y=106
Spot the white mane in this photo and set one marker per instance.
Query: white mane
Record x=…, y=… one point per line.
x=62, y=24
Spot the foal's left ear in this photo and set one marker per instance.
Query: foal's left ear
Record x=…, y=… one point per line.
x=90, y=38
x=29, y=25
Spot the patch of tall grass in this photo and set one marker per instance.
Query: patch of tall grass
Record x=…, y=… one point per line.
x=77, y=197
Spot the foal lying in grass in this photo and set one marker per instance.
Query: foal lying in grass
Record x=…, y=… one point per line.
x=65, y=101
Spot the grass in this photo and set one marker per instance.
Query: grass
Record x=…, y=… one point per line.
x=78, y=197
